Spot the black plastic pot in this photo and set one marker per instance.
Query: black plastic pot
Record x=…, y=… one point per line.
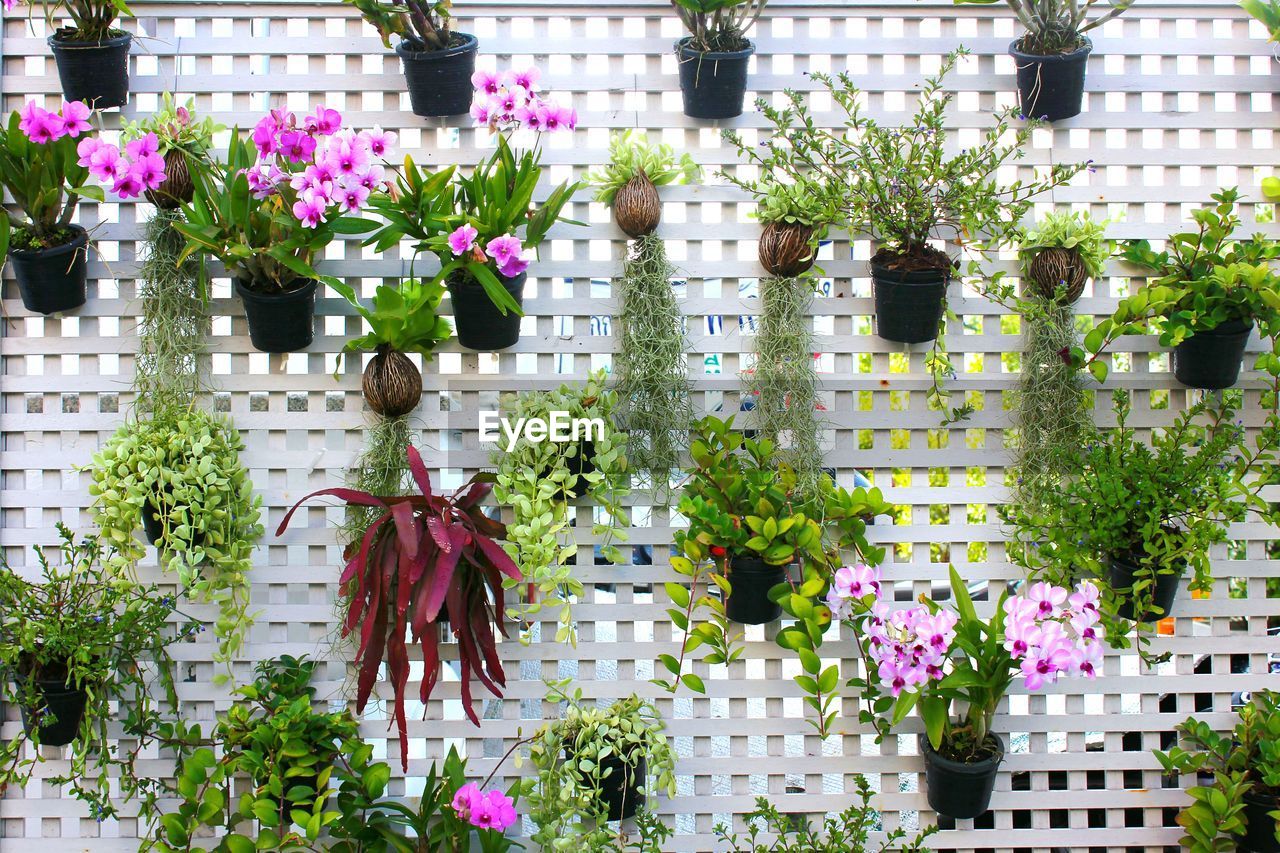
x=581, y=463
x=1260, y=827
x=620, y=789
x=280, y=322
x=1051, y=87
x=751, y=579
x=440, y=80
x=1124, y=570
x=53, y=280
x=479, y=323
x=956, y=789
x=909, y=305
x=1211, y=359
x=714, y=85
x=95, y=72
x=63, y=710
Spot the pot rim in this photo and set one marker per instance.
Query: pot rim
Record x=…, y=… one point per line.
x=884, y=273
x=56, y=41
x=1229, y=328
x=471, y=283
x=78, y=242
x=976, y=768
x=683, y=50
x=470, y=44
x=1076, y=55
x=296, y=295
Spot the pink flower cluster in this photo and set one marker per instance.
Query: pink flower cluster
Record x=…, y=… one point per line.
x=492, y=810
x=328, y=167
x=512, y=99
x=1053, y=632
x=909, y=647
x=131, y=173
x=42, y=127
x=506, y=251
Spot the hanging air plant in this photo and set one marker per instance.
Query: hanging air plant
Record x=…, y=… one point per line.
x=182, y=140
x=636, y=206
x=628, y=182
x=793, y=217
x=1061, y=254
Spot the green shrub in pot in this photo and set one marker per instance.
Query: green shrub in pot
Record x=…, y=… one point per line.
x=1239, y=809
x=82, y=648
x=183, y=469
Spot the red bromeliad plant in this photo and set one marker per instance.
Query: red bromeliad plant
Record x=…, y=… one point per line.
x=426, y=556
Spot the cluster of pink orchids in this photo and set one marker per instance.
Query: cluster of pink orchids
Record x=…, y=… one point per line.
x=1048, y=631
x=511, y=99
x=329, y=168
x=492, y=810
x=131, y=173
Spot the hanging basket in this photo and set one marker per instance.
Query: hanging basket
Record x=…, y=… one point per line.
x=636, y=207
x=392, y=384
x=178, y=188
x=786, y=248
x=1058, y=267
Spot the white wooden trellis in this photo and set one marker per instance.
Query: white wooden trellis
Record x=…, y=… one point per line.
x=1180, y=102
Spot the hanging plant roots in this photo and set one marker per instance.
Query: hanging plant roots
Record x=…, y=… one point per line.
x=1055, y=268
x=654, y=404
x=784, y=385
x=380, y=470
x=786, y=249
x=636, y=207
x=392, y=384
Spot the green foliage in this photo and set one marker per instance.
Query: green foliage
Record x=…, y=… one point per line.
x=403, y=317
x=573, y=756
x=1160, y=505
x=424, y=24
x=1068, y=230
x=1204, y=278
x=632, y=155
x=840, y=833
x=1056, y=26
x=84, y=625
x=176, y=127
x=91, y=20
x=535, y=479
x=186, y=468
x=655, y=409
x=718, y=25
x=793, y=204
x=259, y=241
x=1244, y=761
x=496, y=199
x=46, y=183
x=1267, y=12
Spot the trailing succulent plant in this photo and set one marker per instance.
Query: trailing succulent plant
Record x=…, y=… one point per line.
x=425, y=560
x=180, y=475
x=537, y=479
x=629, y=182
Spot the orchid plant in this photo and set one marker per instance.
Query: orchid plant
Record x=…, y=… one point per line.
x=91, y=20
x=930, y=657
x=484, y=225
x=284, y=194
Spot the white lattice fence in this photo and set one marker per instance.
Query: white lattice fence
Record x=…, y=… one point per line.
x=1179, y=103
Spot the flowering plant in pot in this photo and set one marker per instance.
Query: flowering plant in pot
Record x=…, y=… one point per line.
x=268, y=212
x=438, y=60
x=1240, y=808
x=1135, y=516
x=595, y=766
x=424, y=560
x=92, y=54
x=654, y=404
x=539, y=479
x=1052, y=54
x=1207, y=292
x=713, y=58
x=938, y=660
x=80, y=647
x=177, y=474
x=901, y=186
x=481, y=226
x=181, y=139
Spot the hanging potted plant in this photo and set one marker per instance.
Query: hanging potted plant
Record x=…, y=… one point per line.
x=424, y=559
x=82, y=646
x=269, y=211
x=596, y=766
x=1207, y=292
x=651, y=364
x=92, y=54
x=438, y=61
x=1239, y=809
x=181, y=141
x=473, y=223
x=714, y=57
x=539, y=478
x=177, y=475
x=937, y=659
x=1053, y=53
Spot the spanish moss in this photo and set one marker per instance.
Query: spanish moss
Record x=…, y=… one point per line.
x=381, y=470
